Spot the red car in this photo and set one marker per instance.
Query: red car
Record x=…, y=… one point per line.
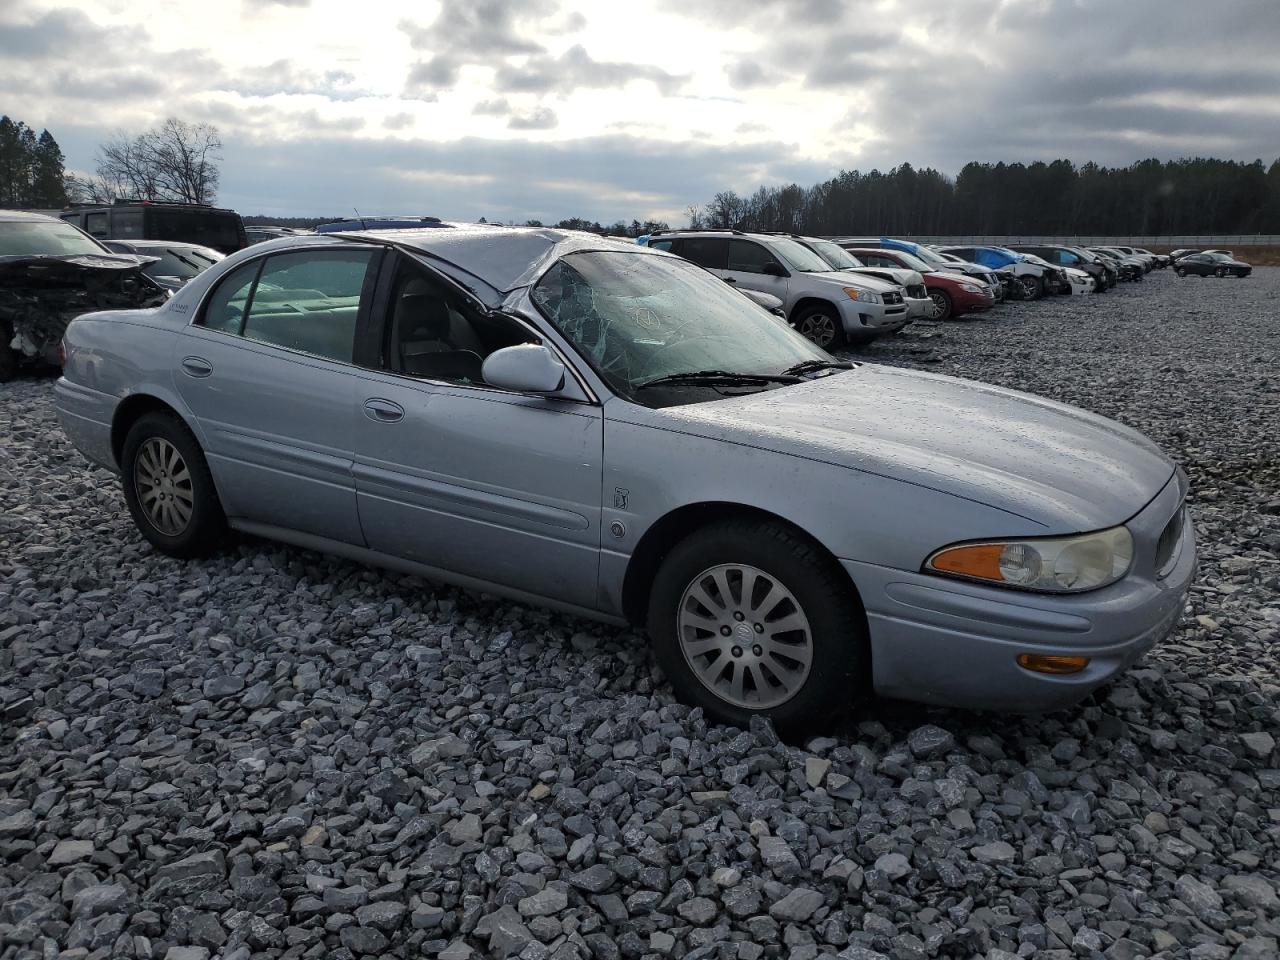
x=953, y=294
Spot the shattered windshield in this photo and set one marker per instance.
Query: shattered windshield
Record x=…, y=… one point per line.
x=636, y=318
x=39, y=238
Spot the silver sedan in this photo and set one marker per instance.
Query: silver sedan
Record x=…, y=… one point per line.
x=612, y=431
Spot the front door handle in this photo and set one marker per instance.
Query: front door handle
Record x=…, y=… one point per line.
x=197, y=366
x=383, y=411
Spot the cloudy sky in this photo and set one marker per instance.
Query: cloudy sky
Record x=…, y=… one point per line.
x=517, y=109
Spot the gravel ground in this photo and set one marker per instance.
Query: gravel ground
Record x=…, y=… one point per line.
x=274, y=753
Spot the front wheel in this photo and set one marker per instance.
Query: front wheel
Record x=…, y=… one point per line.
x=169, y=489
x=1032, y=287
x=942, y=307
x=1180, y=271
x=749, y=618
x=1220, y=272
x=822, y=325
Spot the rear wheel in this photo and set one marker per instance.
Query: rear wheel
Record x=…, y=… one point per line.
x=822, y=325
x=1032, y=287
x=749, y=618
x=1180, y=271
x=1220, y=272
x=942, y=307
x=169, y=489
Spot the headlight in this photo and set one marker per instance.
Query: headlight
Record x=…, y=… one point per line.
x=973, y=288
x=866, y=296
x=1053, y=564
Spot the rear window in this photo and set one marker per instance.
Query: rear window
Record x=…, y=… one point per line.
x=183, y=263
x=218, y=230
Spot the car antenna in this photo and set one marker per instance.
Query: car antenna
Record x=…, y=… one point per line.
x=360, y=218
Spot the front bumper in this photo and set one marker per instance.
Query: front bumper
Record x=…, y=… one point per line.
x=863, y=320
x=964, y=302
x=918, y=308
x=953, y=643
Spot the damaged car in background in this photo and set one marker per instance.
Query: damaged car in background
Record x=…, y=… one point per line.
x=52, y=272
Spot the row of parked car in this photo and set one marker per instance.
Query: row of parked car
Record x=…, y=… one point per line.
x=851, y=290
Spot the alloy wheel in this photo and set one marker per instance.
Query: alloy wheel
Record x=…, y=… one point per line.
x=939, y=304
x=1029, y=287
x=745, y=636
x=819, y=328
x=163, y=485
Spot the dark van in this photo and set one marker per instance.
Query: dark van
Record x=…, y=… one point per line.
x=197, y=223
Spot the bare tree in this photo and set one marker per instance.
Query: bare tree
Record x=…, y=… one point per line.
x=175, y=161
x=694, y=212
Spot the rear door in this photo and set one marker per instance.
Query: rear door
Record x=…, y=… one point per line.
x=267, y=369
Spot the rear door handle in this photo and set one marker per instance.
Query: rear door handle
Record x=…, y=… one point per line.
x=383, y=411
x=197, y=366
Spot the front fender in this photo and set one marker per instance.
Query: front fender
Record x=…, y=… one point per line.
x=652, y=470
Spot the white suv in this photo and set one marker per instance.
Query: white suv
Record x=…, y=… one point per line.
x=828, y=306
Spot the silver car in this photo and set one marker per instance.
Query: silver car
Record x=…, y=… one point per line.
x=615, y=432
x=828, y=306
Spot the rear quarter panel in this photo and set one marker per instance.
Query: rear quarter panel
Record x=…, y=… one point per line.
x=111, y=357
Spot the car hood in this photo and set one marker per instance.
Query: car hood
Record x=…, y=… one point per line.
x=844, y=278
x=1063, y=468
x=898, y=275
x=35, y=270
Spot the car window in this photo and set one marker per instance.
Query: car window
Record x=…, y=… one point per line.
x=661, y=244
x=224, y=310
x=747, y=256
x=95, y=224
x=308, y=301
x=709, y=252
x=432, y=332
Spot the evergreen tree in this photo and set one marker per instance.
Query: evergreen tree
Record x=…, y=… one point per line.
x=48, y=174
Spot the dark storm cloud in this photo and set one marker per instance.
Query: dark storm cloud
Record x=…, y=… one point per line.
x=494, y=33
x=539, y=118
x=576, y=69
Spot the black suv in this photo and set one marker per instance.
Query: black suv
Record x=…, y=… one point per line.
x=196, y=223
x=1103, y=275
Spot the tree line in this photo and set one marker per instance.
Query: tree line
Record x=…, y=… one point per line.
x=31, y=168
x=1149, y=198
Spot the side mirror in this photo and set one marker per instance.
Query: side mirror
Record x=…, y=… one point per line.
x=525, y=368
x=772, y=269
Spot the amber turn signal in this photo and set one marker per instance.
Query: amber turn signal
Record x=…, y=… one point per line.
x=1049, y=663
x=979, y=560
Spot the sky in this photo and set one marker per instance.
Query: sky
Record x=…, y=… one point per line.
x=621, y=109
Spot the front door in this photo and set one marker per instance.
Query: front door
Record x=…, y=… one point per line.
x=458, y=475
x=747, y=264
x=267, y=371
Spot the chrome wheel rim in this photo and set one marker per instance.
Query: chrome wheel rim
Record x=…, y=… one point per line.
x=939, y=305
x=819, y=328
x=163, y=484
x=1028, y=287
x=745, y=636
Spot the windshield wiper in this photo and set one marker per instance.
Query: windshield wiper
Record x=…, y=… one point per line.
x=719, y=376
x=809, y=366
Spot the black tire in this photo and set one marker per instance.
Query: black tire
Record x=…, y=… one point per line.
x=9, y=359
x=943, y=309
x=1180, y=271
x=839, y=671
x=1220, y=272
x=821, y=324
x=1032, y=287
x=205, y=527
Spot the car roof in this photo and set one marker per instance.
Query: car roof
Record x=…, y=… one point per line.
x=504, y=258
